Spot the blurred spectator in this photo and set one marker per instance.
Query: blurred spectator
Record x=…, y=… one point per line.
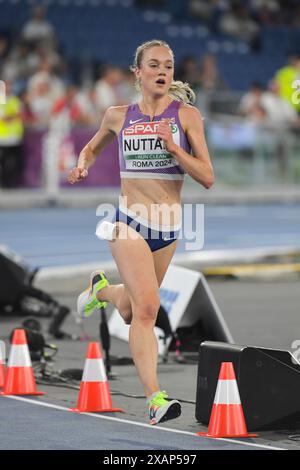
x=20, y=64
x=267, y=12
x=45, y=74
x=238, y=23
x=38, y=30
x=11, y=137
x=188, y=71
x=296, y=17
x=210, y=77
x=41, y=100
x=207, y=11
x=4, y=49
x=27, y=113
x=285, y=78
x=280, y=117
x=279, y=113
x=108, y=89
x=71, y=107
x=127, y=91
x=268, y=107
x=250, y=105
x=51, y=57
x=86, y=100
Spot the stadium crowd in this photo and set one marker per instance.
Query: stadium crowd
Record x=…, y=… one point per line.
x=40, y=86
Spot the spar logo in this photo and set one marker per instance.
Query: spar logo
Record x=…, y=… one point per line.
x=142, y=128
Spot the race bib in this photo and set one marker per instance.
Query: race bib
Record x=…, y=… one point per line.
x=143, y=149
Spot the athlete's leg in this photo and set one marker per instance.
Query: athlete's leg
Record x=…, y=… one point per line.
x=162, y=259
x=118, y=294
x=136, y=268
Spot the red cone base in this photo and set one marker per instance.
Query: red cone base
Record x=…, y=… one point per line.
x=94, y=397
x=227, y=421
x=20, y=381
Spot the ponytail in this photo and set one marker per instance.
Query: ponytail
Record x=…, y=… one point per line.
x=182, y=92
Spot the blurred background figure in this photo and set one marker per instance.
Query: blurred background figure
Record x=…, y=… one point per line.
x=45, y=73
x=207, y=12
x=4, y=50
x=11, y=138
x=107, y=89
x=37, y=30
x=19, y=65
x=251, y=103
x=210, y=77
x=189, y=71
x=41, y=100
x=127, y=91
x=76, y=108
x=279, y=112
x=85, y=99
x=238, y=22
x=285, y=77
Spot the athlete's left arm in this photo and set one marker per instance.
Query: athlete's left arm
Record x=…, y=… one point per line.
x=198, y=166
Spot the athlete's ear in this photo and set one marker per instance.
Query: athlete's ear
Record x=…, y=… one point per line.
x=137, y=73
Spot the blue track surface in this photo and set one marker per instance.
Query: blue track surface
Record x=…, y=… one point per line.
x=35, y=427
x=65, y=236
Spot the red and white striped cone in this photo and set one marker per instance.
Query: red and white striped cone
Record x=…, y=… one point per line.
x=94, y=393
x=227, y=416
x=2, y=365
x=19, y=379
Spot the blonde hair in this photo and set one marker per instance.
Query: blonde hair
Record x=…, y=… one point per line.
x=178, y=90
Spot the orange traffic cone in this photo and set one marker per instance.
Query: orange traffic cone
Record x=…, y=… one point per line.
x=94, y=393
x=2, y=365
x=19, y=379
x=227, y=416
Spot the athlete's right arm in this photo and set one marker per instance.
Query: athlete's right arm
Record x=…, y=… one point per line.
x=101, y=139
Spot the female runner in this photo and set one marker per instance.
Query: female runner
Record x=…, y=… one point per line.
x=160, y=139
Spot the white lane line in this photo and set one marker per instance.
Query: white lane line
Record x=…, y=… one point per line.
x=136, y=423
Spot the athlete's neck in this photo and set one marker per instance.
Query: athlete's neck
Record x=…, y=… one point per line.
x=154, y=107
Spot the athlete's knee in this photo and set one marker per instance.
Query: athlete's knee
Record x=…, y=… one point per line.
x=146, y=308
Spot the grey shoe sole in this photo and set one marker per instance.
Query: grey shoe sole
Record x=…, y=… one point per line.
x=172, y=412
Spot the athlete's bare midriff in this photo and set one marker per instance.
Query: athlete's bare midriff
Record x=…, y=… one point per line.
x=159, y=201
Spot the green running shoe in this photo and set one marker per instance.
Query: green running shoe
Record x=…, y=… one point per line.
x=87, y=301
x=161, y=409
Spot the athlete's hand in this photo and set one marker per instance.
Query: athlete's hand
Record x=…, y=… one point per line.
x=164, y=132
x=77, y=174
